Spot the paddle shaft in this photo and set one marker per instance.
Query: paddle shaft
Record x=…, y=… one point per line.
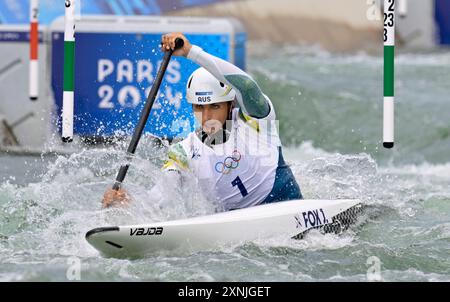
x=145, y=113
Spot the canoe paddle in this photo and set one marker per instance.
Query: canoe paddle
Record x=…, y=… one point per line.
x=145, y=113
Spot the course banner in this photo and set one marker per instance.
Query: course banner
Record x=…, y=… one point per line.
x=16, y=11
x=113, y=76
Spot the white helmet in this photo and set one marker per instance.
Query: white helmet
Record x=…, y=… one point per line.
x=203, y=88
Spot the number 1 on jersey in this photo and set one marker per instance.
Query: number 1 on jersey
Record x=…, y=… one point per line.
x=237, y=182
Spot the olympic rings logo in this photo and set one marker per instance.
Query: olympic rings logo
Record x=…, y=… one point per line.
x=229, y=163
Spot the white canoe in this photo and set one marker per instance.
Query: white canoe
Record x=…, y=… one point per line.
x=290, y=218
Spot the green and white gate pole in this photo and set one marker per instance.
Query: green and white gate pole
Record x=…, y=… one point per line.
x=389, y=53
x=34, y=44
x=69, y=68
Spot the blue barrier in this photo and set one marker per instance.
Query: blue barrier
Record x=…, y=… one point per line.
x=442, y=15
x=16, y=11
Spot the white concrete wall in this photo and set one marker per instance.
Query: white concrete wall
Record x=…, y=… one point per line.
x=14, y=97
x=418, y=28
x=335, y=25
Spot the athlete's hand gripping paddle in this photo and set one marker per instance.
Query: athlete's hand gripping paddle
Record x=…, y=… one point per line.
x=145, y=113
